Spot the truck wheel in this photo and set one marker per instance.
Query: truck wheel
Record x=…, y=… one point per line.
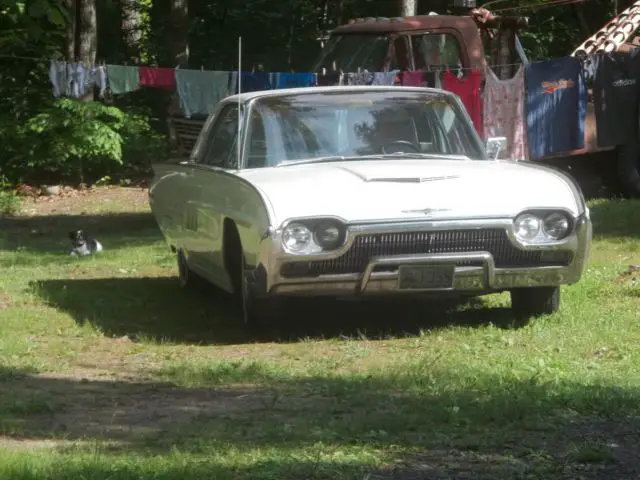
x=535, y=301
x=189, y=280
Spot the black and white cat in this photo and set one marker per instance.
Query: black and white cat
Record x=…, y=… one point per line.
x=82, y=245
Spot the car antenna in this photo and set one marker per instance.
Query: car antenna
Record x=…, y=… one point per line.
x=239, y=104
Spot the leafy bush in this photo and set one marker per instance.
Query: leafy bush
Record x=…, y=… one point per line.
x=79, y=141
x=10, y=202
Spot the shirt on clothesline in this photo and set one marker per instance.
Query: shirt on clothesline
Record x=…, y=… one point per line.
x=616, y=97
x=293, y=80
x=556, y=106
x=253, y=82
x=329, y=79
x=468, y=89
x=385, y=78
x=158, y=77
x=503, y=112
x=123, y=78
x=200, y=91
x=359, y=78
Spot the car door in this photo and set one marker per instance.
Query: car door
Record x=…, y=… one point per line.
x=210, y=203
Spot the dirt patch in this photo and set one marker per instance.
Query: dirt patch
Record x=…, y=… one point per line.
x=112, y=410
x=88, y=200
x=630, y=276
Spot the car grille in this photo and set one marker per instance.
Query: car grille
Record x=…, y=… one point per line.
x=364, y=247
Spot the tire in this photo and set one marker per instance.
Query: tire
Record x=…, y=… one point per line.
x=254, y=312
x=187, y=278
x=533, y=302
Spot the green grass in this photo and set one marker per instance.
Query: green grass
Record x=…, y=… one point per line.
x=109, y=371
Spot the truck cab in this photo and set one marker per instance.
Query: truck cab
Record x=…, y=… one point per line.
x=426, y=42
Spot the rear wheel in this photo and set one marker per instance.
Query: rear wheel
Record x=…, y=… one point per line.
x=535, y=301
x=188, y=279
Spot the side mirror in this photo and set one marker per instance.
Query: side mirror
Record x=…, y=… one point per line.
x=495, y=146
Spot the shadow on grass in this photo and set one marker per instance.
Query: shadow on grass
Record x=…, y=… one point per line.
x=48, y=234
x=155, y=308
x=615, y=218
x=429, y=422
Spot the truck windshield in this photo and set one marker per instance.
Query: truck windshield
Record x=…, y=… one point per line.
x=350, y=52
x=358, y=123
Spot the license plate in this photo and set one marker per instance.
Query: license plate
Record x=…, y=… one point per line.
x=420, y=277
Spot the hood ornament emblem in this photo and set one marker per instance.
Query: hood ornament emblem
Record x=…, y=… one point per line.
x=427, y=211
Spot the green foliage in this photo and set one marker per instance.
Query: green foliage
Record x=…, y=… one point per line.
x=80, y=141
x=10, y=202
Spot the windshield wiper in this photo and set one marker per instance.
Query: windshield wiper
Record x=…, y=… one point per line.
x=377, y=156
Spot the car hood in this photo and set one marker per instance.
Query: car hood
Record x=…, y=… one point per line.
x=378, y=190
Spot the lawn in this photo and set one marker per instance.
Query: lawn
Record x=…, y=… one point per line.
x=109, y=371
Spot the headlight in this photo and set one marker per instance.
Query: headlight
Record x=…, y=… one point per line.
x=296, y=237
x=329, y=235
x=541, y=227
x=527, y=227
x=556, y=226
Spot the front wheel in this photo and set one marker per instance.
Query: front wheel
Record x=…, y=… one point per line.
x=256, y=312
x=535, y=301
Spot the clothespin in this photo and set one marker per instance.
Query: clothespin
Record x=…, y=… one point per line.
x=202, y=68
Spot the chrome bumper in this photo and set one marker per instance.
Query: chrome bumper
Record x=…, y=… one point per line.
x=467, y=279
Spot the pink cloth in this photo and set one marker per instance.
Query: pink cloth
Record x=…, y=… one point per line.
x=414, y=79
x=164, y=78
x=468, y=89
x=503, y=112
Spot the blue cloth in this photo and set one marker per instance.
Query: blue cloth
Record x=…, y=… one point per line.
x=295, y=80
x=556, y=106
x=254, y=81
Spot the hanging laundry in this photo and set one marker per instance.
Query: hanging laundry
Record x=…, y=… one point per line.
x=503, y=112
x=616, y=97
x=253, y=82
x=414, y=79
x=359, y=78
x=157, y=77
x=200, y=90
x=556, y=106
x=76, y=81
x=293, y=80
x=329, y=79
x=123, y=79
x=468, y=89
x=102, y=80
x=58, y=77
x=385, y=78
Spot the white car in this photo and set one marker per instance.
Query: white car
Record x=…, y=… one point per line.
x=364, y=191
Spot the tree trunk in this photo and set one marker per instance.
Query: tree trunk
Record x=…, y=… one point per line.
x=179, y=32
x=88, y=34
x=408, y=8
x=130, y=29
x=87, y=37
x=71, y=43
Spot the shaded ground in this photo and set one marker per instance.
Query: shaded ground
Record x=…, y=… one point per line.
x=109, y=367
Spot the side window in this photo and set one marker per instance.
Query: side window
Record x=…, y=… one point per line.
x=400, y=59
x=436, y=51
x=221, y=151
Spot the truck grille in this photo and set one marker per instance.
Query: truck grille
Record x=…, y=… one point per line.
x=494, y=241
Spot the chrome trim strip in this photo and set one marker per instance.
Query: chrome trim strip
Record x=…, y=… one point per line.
x=484, y=257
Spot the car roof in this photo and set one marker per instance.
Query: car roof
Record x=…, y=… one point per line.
x=248, y=96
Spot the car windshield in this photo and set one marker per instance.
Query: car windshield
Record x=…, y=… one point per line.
x=354, y=124
x=350, y=52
